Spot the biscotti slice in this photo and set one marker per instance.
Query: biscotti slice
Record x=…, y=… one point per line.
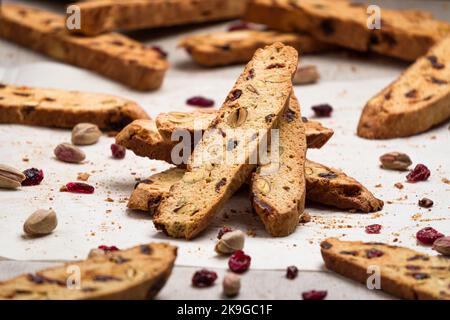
x=418, y=100
x=65, y=109
x=231, y=47
x=333, y=187
x=107, y=15
x=255, y=104
x=278, y=197
x=148, y=193
x=405, y=273
x=133, y=274
x=112, y=55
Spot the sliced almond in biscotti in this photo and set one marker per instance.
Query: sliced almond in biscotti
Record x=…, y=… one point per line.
x=333, y=187
x=112, y=55
x=278, y=196
x=230, y=47
x=404, y=273
x=209, y=181
x=418, y=100
x=133, y=274
x=65, y=109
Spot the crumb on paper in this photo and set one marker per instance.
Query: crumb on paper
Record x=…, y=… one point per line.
x=25, y=159
x=251, y=233
x=305, y=217
x=63, y=189
x=416, y=216
x=83, y=176
x=445, y=180
x=399, y=185
x=109, y=200
x=378, y=185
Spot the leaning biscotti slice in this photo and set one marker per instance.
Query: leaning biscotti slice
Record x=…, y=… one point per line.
x=418, y=100
x=333, y=187
x=278, y=195
x=133, y=274
x=225, y=48
x=108, y=15
x=65, y=109
x=254, y=105
x=112, y=55
x=405, y=273
x=148, y=193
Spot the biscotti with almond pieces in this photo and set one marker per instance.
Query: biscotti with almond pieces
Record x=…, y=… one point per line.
x=112, y=55
x=65, y=109
x=232, y=47
x=334, y=188
x=107, y=15
x=278, y=188
x=415, y=102
x=133, y=274
x=405, y=273
x=255, y=104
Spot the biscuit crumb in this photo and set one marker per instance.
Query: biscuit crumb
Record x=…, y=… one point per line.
x=399, y=185
x=83, y=176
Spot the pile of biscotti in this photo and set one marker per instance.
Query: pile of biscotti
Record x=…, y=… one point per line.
x=184, y=199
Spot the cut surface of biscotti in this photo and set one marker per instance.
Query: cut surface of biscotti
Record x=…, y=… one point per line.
x=99, y=16
x=133, y=274
x=256, y=103
x=65, y=109
x=405, y=273
x=402, y=34
x=112, y=55
x=278, y=195
x=333, y=187
x=418, y=100
x=231, y=47
x=148, y=193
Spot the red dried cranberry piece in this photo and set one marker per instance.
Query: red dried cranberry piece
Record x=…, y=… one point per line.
x=241, y=25
x=291, y=272
x=428, y=235
x=420, y=173
x=33, y=177
x=118, y=151
x=204, y=278
x=314, y=295
x=108, y=248
x=374, y=253
x=223, y=231
x=161, y=52
x=79, y=187
x=373, y=229
x=239, y=262
x=322, y=110
x=199, y=101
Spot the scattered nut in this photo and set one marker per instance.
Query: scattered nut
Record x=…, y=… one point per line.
x=306, y=75
x=230, y=242
x=10, y=178
x=69, y=153
x=179, y=117
x=442, y=245
x=426, y=203
x=263, y=186
x=41, y=222
x=231, y=284
x=395, y=161
x=95, y=253
x=85, y=134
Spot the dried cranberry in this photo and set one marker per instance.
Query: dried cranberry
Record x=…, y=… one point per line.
x=428, y=235
x=373, y=229
x=199, y=101
x=322, y=110
x=426, y=203
x=80, y=187
x=314, y=295
x=204, y=278
x=239, y=262
x=161, y=52
x=240, y=26
x=223, y=231
x=33, y=177
x=291, y=272
x=374, y=253
x=118, y=151
x=108, y=248
x=420, y=173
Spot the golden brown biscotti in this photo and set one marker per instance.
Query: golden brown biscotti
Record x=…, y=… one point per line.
x=405, y=273
x=404, y=34
x=278, y=188
x=65, y=109
x=418, y=100
x=256, y=103
x=231, y=47
x=107, y=15
x=133, y=274
x=333, y=187
x=112, y=55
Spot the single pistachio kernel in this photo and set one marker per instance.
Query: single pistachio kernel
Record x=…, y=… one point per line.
x=41, y=222
x=10, y=178
x=442, y=245
x=237, y=117
x=85, y=134
x=230, y=242
x=179, y=117
x=263, y=186
x=67, y=152
x=231, y=284
x=395, y=161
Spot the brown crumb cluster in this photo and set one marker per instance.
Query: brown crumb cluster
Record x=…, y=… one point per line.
x=83, y=176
